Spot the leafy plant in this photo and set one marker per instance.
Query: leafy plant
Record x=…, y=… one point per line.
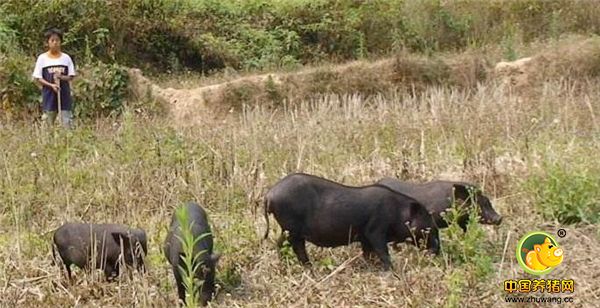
x=101, y=90
x=212, y=35
x=567, y=193
x=468, y=248
x=508, y=44
x=19, y=95
x=455, y=282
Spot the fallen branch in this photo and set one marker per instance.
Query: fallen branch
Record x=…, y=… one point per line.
x=32, y=279
x=338, y=269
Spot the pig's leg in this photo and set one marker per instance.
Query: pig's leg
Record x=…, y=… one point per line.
x=463, y=221
x=111, y=271
x=377, y=240
x=68, y=268
x=179, y=282
x=367, y=249
x=299, y=246
x=382, y=252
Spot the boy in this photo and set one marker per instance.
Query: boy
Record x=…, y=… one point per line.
x=52, y=68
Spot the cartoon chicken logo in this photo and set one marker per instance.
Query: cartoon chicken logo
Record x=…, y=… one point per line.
x=538, y=253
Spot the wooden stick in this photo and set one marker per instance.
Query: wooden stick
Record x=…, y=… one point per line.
x=59, y=114
x=504, y=253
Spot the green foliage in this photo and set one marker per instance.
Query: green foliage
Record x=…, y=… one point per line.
x=19, y=95
x=508, y=44
x=455, y=282
x=469, y=249
x=33, y=244
x=469, y=255
x=286, y=253
x=8, y=39
x=230, y=277
x=568, y=193
x=101, y=89
x=327, y=262
x=207, y=35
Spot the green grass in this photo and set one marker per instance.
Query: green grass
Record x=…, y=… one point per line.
x=568, y=190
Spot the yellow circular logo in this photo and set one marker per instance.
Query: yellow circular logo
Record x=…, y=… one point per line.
x=538, y=253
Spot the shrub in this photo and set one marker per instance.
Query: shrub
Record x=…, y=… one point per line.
x=100, y=90
x=469, y=249
x=207, y=35
x=19, y=95
x=567, y=193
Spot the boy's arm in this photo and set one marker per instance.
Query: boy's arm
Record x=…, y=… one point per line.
x=65, y=77
x=43, y=82
x=71, y=69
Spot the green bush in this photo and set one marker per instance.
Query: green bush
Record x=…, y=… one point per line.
x=569, y=193
x=455, y=282
x=18, y=92
x=19, y=95
x=8, y=39
x=100, y=90
x=207, y=35
x=469, y=249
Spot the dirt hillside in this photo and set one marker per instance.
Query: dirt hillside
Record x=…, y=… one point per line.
x=410, y=73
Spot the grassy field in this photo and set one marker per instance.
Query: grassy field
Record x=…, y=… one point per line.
x=535, y=158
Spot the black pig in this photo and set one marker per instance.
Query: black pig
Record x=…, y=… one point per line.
x=329, y=214
x=83, y=244
x=173, y=250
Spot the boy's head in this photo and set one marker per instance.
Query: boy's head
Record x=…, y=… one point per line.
x=53, y=38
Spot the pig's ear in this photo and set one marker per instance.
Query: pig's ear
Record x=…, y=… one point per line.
x=460, y=192
x=120, y=236
x=537, y=247
x=214, y=258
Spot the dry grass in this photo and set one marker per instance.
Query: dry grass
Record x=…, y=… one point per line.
x=135, y=171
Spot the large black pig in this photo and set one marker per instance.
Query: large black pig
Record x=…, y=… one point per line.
x=329, y=214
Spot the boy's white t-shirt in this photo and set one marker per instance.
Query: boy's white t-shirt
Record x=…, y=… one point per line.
x=47, y=65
